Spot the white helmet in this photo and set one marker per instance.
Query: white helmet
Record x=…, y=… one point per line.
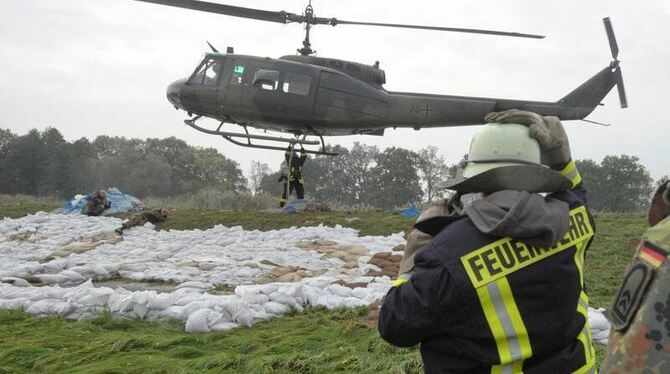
x=505, y=157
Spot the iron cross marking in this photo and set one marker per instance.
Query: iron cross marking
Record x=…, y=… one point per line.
x=427, y=110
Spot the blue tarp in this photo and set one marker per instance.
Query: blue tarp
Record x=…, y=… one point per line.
x=294, y=206
x=410, y=212
x=120, y=203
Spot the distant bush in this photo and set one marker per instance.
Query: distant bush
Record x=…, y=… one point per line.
x=211, y=198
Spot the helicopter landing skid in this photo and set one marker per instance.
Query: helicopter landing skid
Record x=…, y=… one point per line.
x=229, y=136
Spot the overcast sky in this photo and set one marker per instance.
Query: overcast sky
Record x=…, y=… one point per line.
x=101, y=67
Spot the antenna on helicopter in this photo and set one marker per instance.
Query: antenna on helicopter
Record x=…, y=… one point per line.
x=212, y=47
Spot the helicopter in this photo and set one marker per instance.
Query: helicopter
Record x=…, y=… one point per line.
x=310, y=96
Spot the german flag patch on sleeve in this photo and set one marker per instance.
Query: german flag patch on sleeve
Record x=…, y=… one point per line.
x=653, y=255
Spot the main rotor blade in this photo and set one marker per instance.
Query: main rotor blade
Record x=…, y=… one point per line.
x=618, y=76
x=437, y=28
x=235, y=11
x=614, y=47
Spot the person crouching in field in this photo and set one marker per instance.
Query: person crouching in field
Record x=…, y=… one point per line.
x=140, y=218
x=497, y=285
x=96, y=203
x=640, y=315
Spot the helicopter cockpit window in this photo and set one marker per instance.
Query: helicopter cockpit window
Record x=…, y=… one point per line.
x=266, y=79
x=296, y=84
x=208, y=73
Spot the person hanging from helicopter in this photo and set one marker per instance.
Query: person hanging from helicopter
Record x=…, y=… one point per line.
x=293, y=179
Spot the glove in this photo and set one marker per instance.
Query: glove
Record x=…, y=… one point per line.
x=548, y=131
x=282, y=178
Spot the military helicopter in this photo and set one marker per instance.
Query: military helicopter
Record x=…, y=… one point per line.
x=305, y=95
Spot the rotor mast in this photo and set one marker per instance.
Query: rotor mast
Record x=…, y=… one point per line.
x=306, y=49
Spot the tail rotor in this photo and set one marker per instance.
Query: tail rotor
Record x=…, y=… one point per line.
x=615, y=64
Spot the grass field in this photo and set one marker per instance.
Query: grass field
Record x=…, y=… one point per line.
x=317, y=341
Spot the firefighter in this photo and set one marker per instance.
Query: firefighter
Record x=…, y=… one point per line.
x=640, y=315
x=294, y=178
x=497, y=283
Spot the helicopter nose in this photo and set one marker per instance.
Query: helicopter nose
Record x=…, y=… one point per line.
x=174, y=92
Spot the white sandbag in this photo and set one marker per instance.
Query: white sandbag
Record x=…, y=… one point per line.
x=312, y=295
x=360, y=292
x=600, y=326
x=247, y=272
x=239, y=312
x=193, y=306
x=96, y=296
x=73, y=276
x=55, y=265
x=198, y=285
x=173, y=312
x=282, y=298
x=352, y=302
x=140, y=310
x=52, y=278
x=184, y=298
x=320, y=282
x=91, y=271
x=120, y=303
x=275, y=308
x=16, y=303
x=110, y=268
x=16, y=282
x=50, y=306
x=339, y=290
x=133, y=275
x=251, y=298
x=198, y=321
x=330, y=301
x=224, y=326
x=161, y=301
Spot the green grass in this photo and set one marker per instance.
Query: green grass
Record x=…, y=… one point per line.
x=368, y=222
x=15, y=206
x=318, y=341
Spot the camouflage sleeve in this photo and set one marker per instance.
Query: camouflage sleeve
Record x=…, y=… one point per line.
x=640, y=315
x=421, y=236
x=415, y=241
x=153, y=216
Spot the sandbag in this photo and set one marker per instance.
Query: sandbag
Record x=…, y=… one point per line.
x=198, y=321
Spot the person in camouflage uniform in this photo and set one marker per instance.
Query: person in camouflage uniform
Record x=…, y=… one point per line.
x=140, y=218
x=96, y=203
x=640, y=315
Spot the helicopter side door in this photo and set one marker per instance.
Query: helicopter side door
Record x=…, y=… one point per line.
x=298, y=90
x=235, y=79
x=260, y=93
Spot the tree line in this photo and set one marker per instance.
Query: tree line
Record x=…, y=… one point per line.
x=45, y=164
x=367, y=176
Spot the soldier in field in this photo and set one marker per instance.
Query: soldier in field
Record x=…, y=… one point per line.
x=96, y=203
x=140, y=218
x=640, y=315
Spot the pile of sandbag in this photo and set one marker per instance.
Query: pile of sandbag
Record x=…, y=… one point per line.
x=270, y=273
x=120, y=203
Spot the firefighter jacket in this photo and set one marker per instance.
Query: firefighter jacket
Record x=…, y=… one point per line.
x=297, y=162
x=500, y=290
